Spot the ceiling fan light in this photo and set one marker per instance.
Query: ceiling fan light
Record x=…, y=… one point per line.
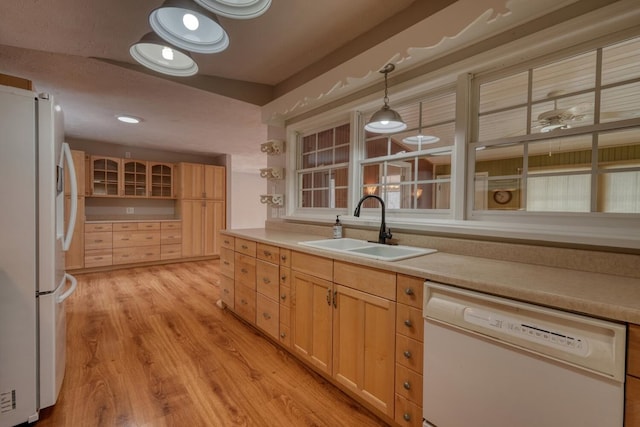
x=151, y=51
x=188, y=26
x=549, y=128
x=236, y=9
x=385, y=120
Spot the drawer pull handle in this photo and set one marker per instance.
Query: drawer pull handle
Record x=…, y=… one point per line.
x=407, y=354
x=149, y=253
x=225, y=262
x=98, y=241
x=266, y=253
x=406, y=385
x=406, y=416
x=98, y=258
x=125, y=238
x=408, y=323
x=226, y=291
x=245, y=247
x=267, y=316
x=243, y=301
x=266, y=280
x=408, y=291
x=329, y=296
x=226, y=242
x=125, y=256
x=282, y=335
x=283, y=297
x=149, y=237
x=244, y=270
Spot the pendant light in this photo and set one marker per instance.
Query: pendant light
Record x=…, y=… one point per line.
x=386, y=120
x=420, y=138
x=236, y=9
x=157, y=55
x=188, y=26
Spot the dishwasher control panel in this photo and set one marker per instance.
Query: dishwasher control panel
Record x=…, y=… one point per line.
x=529, y=331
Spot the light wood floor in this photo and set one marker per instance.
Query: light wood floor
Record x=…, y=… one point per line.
x=149, y=347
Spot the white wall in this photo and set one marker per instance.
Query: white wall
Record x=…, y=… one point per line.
x=246, y=209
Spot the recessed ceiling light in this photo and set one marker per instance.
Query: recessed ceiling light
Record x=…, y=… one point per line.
x=236, y=9
x=128, y=119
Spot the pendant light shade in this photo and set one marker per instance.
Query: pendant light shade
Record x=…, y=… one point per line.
x=157, y=55
x=236, y=9
x=420, y=138
x=188, y=26
x=386, y=120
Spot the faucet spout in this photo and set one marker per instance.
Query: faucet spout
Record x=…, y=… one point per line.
x=384, y=233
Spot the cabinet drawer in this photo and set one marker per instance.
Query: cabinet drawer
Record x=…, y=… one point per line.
x=268, y=253
x=409, y=353
x=285, y=335
x=285, y=276
x=408, y=413
x=245, y=270
x=285, y=296
x=409, y=322
x=138, y=254
x=245, y=303
x=226, y=262
x=267, y=315
x=90, y=228
x=285, y=315
x=172, y=225
x=313, y=265
x=267, y=280
x=125, y=226
x=246, y=247
x=226, y=291
x=633, y=355
x=128, y=239
x=410, y=290
x=97, y=258
x=148, y=226
x=285, y=257
x=409, y=384
x=169, y=237
x=97, y=240
x=228, y=242
x=170, y=251
x=370, y=280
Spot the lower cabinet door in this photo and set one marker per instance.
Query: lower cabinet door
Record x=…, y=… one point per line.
x=245, y=302
x=267, y=315
x=138, y=254
x=227, y=291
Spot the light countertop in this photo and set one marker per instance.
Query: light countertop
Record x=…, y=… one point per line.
x=601, y=295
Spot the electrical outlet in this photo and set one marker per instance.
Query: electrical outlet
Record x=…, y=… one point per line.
x=129, y=210
x=127, y=155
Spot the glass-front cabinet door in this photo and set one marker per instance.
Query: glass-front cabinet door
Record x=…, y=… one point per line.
x=161, y=180
x=135, y=178
x=105, y=176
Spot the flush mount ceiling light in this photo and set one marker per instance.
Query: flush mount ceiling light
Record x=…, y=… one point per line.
x=157, y=55
x=128, y=119
x=386, y=120
x=420, y=138
x=236, y=9
x=188, y=26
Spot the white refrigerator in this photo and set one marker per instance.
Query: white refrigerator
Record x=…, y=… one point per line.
x=33, y=238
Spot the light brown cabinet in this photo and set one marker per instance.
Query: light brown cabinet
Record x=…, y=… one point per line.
x=632, y=387
x=74, y=257
x=227, y=270
x=105, y=176
x=200, y=181
x=116, y=177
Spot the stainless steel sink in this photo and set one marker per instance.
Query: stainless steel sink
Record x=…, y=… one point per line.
x=367, y=249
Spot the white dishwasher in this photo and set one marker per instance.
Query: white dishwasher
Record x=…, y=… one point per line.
x=494, y=362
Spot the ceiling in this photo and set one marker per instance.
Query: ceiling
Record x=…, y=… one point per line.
x=78, y=50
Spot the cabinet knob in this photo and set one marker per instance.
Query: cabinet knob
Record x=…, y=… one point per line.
x=226, y=291
x=266, y=253
x=407, y=354
x=406, y=416
x=283, y=277
x=283, y=257
x=266, y=280
x=225, y=262
x=244, y=270
x=408, y=323
x=266, y=316
x=408, y=291
x=245, y=247
x=283, y=297
x=282, y=335
x=406, y=385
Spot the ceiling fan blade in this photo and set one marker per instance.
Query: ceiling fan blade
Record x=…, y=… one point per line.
x=619, y=115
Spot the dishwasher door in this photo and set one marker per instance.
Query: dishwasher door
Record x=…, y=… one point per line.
x=494, y=362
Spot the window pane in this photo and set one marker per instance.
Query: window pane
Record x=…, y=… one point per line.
x=321, y=198
x=500, y=161
x=325, y=158
x=309, y=143
x=619, y=192
x=506, y=92
x=566, y=76
x=305, y=199
x=308, y=160
x=343, y=134
x=562, y=193
x=426, y=166
x=619, y=149
x=325, y=139
x=620, y=103
x=307, y=181
x=377, y=148
x=341, y=177
x=341, y=155
x=621, y=61
x=560, y=155
x=503, y=124
x=321, y=179
x=341, y=197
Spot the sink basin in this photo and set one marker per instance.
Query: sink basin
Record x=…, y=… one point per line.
x=367, y=249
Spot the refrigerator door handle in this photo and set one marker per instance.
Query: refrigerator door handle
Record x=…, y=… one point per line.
x=72, y=288
x=66, y=242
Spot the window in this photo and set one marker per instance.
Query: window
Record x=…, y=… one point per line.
x=411, y=170
x=322, y=170
x=563, y=136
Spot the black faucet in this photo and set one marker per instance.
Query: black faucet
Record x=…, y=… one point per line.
x=384, y=232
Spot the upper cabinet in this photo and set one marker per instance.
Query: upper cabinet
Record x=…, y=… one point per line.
x=115, y=177
x=198, y=181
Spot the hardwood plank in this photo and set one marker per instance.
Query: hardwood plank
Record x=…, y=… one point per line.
x=147, y=346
